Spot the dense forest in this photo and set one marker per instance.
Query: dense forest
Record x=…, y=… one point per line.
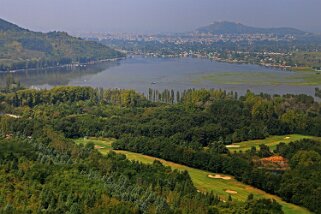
x=191, y=127
x=23, y=49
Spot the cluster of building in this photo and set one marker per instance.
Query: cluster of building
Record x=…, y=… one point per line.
x=182, y=38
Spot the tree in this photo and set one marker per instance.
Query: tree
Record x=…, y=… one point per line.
x=264, y=151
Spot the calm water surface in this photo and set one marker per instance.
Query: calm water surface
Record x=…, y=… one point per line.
x=141, y=73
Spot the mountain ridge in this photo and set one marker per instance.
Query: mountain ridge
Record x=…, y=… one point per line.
x=226, y=27
x=23, y=49
x=8, y=26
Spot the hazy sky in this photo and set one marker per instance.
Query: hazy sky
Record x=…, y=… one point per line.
x=158, y=15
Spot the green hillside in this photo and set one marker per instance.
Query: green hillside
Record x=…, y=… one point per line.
x=21, y=48
x=201, y=179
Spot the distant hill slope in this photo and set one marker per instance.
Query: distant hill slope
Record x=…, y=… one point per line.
x=21, y=48
x=236, y=28
x=7, y=26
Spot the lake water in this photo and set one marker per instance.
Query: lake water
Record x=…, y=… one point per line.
x=141, y=73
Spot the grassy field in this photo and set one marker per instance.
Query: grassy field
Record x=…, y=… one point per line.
x=103, y=144
x=303, y=69
x=200, y=177
x=290, y=78
x=270, y=142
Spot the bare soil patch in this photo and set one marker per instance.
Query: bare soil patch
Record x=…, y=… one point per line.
x=233, y=146
x=220, y=177
x=98, y=147
x=13, y=116
x=231, y=191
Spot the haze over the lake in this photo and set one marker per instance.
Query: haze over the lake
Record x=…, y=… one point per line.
x=151, y=16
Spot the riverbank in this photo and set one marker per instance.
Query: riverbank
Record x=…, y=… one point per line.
x=72, y=65
x=232, y=61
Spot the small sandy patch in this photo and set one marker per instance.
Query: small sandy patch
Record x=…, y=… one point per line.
x=13, y=116
x=99, y=147
x=220, y=177
x=231, y=191
x=233, y=146
x=286, y=138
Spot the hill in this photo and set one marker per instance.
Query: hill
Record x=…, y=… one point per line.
x=7, y=26
x=21, y=48
x=237, y=28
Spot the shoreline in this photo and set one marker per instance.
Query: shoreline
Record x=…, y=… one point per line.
x=75, y=65
x=72, y=65
x=271, y=66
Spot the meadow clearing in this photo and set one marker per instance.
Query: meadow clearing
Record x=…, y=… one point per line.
x=204, y=181
x=271, y=142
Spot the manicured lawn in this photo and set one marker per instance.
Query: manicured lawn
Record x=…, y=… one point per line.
x=104, y=144
x=200, y=178
x=270, y=142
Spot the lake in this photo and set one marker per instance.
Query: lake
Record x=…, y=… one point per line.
x=141, y=73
